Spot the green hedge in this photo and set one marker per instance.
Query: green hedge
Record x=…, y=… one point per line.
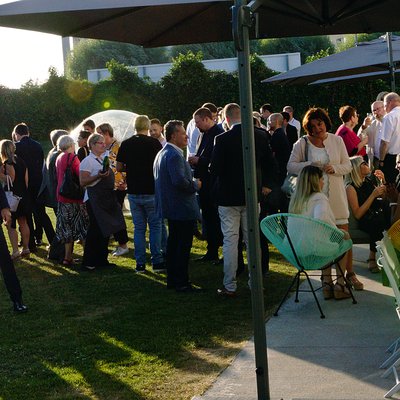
x=63, y=103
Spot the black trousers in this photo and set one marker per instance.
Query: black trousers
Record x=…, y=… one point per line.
x=375, y=224
x=7, y=269
x=179, y=245
x=96, y=245
x=389, y=168
x=42, y=221
x=209, y=212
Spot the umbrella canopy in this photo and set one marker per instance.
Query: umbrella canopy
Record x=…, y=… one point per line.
x=155, y=23
x=166, y=22
x=356, y=77
x=366, y=60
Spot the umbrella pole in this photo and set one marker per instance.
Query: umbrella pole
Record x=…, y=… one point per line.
x=241, y=21
x=391, y=63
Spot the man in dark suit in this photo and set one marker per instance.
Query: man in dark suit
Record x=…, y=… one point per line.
x=32, y=153
x=228, y=174
x=200, y=163
x=279, y=145
x=290, y=130
x=175, y=200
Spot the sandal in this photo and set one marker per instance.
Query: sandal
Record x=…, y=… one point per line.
x=373, y=266
x=327, y=290
x=67, y=262
x=353, y=281
x=341, y=291
x=16, y=255
x=25, y=253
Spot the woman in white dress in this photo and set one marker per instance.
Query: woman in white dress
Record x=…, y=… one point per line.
x=309, y=200
x=327, y=152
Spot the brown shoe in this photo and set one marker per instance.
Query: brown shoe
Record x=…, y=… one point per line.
x=354, y=282
x=341, y=292
x=327, y=290
x=226, y=293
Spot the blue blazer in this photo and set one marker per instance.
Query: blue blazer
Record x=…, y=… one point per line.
x=175, y=189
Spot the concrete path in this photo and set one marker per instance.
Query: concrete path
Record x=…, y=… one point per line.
x=312, y=358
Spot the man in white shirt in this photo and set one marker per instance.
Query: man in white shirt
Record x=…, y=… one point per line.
x=390, y=137
x=293, y=121
x=372, y=128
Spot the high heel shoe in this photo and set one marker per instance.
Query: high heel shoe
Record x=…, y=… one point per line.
x=327, y=290
x=341, y=292
x=354, y=282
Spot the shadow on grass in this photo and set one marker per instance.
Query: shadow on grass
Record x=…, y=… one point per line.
x=120, y=335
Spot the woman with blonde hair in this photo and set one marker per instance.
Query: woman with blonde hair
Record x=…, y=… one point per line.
x=308, y=200
x=15, y=168
x=366, y=196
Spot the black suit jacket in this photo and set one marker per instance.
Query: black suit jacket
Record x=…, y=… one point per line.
x=291, y=134
x=281, y=150
x=32, y=153
x=227, y=166
x=204, y=153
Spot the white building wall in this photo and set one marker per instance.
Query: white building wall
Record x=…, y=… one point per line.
x=276, y=62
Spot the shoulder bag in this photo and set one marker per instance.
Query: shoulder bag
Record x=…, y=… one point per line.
x=13, y=199
x=289, y=184
x=70, y=187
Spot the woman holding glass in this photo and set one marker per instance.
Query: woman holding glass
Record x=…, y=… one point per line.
x=328, y=152
x=365, y=193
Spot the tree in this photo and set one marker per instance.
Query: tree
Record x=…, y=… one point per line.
x=306, y=46
x=350, y=40
x=317, y=56
x=91, y=53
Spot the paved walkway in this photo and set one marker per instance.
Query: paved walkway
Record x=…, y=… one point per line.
x=312, y=358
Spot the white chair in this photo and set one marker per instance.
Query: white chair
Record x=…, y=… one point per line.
x=389, y=262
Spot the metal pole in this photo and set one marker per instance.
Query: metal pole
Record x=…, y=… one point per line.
x=391, y=63
x=241, y=23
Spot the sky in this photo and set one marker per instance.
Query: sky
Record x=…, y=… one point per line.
x=27, y=55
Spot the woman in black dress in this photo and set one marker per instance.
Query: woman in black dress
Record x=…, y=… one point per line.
x=15, y=168
x=366, y=194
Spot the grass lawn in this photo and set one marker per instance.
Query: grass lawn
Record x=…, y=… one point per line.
x=114, y=334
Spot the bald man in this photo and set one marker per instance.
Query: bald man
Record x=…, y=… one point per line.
x=279, y=144
x=390, y=137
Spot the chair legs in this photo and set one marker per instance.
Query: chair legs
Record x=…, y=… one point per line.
x=296, y=281
x=348, y=284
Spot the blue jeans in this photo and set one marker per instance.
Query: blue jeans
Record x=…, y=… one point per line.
x=143, y=213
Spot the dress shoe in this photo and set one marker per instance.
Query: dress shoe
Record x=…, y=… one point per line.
x=140, y=268
x=20, y=307
x=159, y=268
x=226, y=293
x=189, y=289
x=208, y=258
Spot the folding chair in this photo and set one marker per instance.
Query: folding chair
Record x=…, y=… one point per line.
x=389, y=262
x=308, y=244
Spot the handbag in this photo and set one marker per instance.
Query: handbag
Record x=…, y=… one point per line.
x=70, y=187
x=13, y=199
x=289, y=184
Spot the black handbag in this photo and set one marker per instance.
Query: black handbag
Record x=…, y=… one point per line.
x=70, y=187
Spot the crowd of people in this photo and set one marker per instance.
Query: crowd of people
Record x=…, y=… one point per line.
x=176, y=179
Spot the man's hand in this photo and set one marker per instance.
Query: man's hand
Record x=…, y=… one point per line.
x=193, y=160
x=198, y=184
x=265, y=191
